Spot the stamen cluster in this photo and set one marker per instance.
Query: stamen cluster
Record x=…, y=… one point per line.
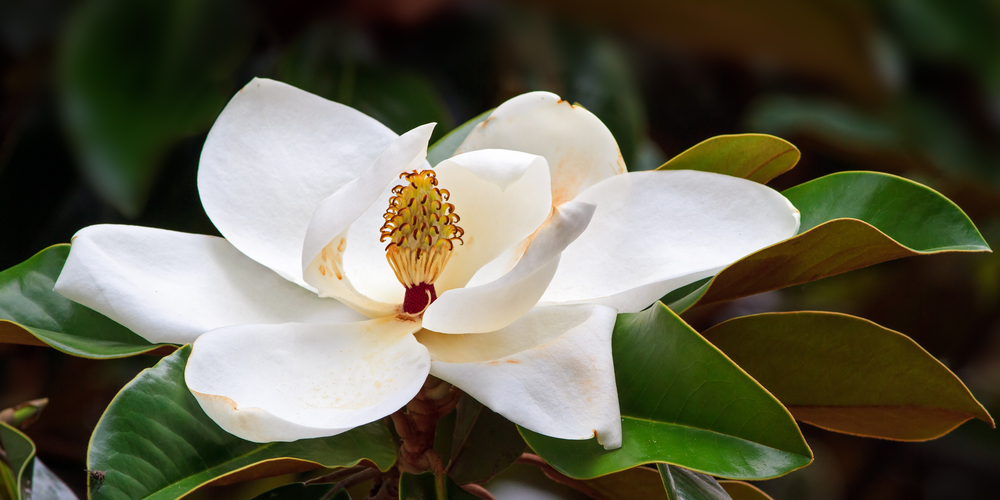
x=421, y=228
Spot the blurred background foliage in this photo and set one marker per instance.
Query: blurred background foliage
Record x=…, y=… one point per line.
x=105, y=105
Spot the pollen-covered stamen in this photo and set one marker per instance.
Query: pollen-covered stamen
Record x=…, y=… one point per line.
x=421, y=228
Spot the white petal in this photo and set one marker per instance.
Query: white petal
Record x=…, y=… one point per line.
x=550, y=371
x=501, y=196
x=492, y=306
x=579, y=148
x=349, y=222
x=171, y=287
x=273, y=154
x=295, y=381
x=660, y=230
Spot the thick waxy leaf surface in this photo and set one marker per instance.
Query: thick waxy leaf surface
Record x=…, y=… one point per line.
x=484, y=443
x=849, y=220
x=300, y=491
x=46, y=485
x=154, y=441
x=738, y=490
x=425, y=487
x=31, y=313
x=848, y=374
x=758, y=157
x=684, y=403
x=138, y=76
x=446, y=146
x=17, y=472
x=682, y=484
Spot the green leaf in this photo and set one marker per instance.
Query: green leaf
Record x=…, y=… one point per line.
x=484, y=443
x=847, y=374
x=16, y=471
x=850, y=220
x=425, y=487
x=46, y=485
x=155, y=442
x=445, y=147
x=757, y=157
x=684, y=403
x=138, y=76
x=738, y=490
x=682, y=484
x=31, y=313
x=301, y=491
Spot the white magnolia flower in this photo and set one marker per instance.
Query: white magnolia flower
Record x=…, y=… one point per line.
x=305, y=324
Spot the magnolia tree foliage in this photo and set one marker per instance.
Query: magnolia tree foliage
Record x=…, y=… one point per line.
x=420, y=317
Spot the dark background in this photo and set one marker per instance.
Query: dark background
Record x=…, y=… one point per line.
x=106, y=104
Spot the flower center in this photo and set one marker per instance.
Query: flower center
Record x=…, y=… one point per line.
x=420, y=227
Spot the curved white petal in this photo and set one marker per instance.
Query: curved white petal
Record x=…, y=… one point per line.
x=171, y=287
x=295, y=381
x=492, y=306
x=550, y=371
x=343, y=227
x=660, y=230
x=579, y=148
x=502, y=197
x=273, y=154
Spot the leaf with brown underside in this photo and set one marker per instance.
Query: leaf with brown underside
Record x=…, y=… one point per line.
x=739, y=490
x=757, y=157
x=847, y=374
x=637, y=482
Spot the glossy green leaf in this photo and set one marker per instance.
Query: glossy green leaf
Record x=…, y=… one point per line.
x=683, y=484
x=138, y=76
x=684, y=403
x=484, y=443
x=155, y=442
x=31, y=313
x=757, y=157
x=850, y=220
x=738, y=490
x=300, y=491
x=445, y=147
x=425, y=487
x=847, y=374
x=46, y=485
x=16, y=471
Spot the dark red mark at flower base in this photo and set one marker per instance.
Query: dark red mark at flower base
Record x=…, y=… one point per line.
x=418, y=298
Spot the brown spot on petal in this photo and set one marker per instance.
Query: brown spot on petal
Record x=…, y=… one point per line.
x=342, y=245
x=512, y=361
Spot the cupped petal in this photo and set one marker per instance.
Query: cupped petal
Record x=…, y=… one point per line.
x=656, y=231
x=172, y=287
x=579, y=148
x=343, y=226
x=494, y=305
x=272, y=155
x=502, y=197
x=294, y=381
x=551, y=371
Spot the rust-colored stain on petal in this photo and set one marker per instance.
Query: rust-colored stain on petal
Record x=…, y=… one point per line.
x=512, y=361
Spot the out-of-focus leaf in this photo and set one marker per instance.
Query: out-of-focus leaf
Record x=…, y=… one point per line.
x=332, y=62
x=300, y=491
x=758, y=157
x=155, y=442
x=847, y=374
x=484, y=443
x=684, y=403
x=446, y=146
x=24, y=414
x=850, y=220
x=46, y=485
x=637, y=482
x=738, y=490
x=31, y=313
x=682, y=484
x=137, y=76
x=16, y=471
x=425, y=487
x=602, y=82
